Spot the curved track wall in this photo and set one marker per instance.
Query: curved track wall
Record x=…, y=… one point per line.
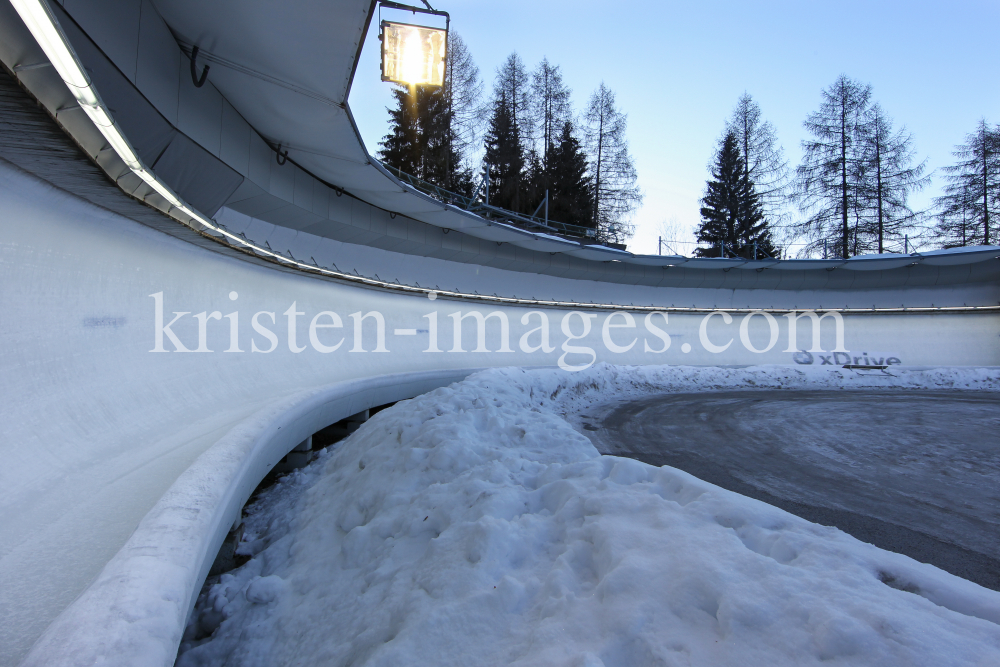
x=131, y=438
x=100, y=425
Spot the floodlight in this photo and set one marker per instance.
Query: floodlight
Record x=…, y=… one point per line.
x=412, y=54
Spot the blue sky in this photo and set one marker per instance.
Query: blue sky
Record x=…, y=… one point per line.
x=678, y=68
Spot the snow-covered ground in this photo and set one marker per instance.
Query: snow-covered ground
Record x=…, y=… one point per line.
x=475, y=526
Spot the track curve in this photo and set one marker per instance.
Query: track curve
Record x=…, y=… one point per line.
x=915, y=472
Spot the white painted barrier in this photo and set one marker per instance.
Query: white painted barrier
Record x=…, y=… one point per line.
x=99, y=427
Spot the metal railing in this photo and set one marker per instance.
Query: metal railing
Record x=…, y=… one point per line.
x=479, y=207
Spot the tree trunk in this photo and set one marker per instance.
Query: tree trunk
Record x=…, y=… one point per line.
x=986, y=208
x=449, y=137
x=597, y=176
x=746, y=148
x=843, y=172
x=878, y=191
x=550, y=126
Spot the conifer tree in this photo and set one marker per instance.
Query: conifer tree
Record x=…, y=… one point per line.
x=514, y=173
x=548, y=110
x=968, y=209
x=505, y=156
x=733, y=222
x=440, y=162
x=571, y=198
x=400, y=148
x=420, y=141
x=534, y=182
x=431, y=129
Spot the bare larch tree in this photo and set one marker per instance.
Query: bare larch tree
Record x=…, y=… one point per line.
x=616, y=195
x=464, y=91
x=551, y=99
x=886, y=178
x=513, y=84
x=828, y=177
x=967, y=210
x=764, y=158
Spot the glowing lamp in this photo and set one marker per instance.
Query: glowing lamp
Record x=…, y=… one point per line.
x=413, y=55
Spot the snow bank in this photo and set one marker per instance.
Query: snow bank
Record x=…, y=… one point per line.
x=474, y=525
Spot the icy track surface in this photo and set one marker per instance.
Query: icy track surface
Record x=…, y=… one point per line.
x=474, y=526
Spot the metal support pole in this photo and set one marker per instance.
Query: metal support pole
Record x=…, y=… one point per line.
x=484, y=181
x=659, y=245
x=487, y=183
x=722, y=252
x=545, y=203
x=906, y=244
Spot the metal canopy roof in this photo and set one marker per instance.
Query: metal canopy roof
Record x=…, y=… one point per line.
x=287, y=68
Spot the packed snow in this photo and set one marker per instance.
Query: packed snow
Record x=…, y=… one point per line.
x=475, y=526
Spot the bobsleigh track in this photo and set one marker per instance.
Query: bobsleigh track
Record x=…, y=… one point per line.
x=196, y=279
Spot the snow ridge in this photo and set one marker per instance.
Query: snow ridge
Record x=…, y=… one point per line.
x=474, y=525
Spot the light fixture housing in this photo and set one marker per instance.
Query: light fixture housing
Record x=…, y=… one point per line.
x=413, y=55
